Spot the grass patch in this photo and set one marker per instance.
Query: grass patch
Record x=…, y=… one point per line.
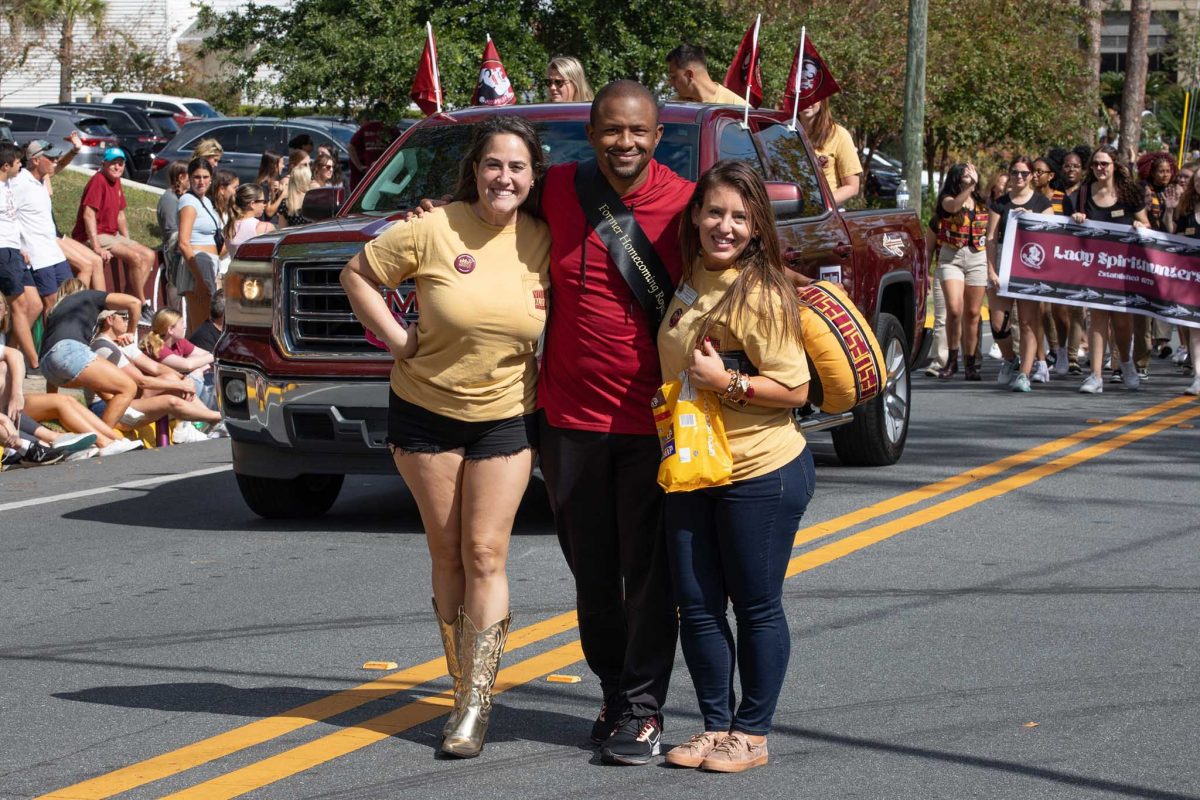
x=140, y=212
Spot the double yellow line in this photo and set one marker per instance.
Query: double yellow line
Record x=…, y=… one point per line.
x=417, y=712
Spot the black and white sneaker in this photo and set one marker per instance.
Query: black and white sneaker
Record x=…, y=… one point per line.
x=38, y=455
x=604, y=725
x=634, y=742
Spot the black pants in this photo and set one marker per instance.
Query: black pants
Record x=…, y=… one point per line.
x=608, y=510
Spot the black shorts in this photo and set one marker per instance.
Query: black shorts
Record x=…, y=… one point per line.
x=14, y=274
x=412, y=429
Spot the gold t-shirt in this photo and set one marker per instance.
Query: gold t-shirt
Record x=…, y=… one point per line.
x=482, y=294
x=760, y=439
x=726, y=97
x=838, y=157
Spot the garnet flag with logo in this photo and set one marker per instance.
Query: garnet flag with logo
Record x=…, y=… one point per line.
x=815, y=81
x=427, y=86
x=746, y=68
x=493, y=88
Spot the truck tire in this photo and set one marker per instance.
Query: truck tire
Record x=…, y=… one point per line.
x=876, y=436
x=290, y=498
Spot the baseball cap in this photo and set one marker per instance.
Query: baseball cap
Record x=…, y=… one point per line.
x=40, y=147
x=113, y=153
x=108, y=312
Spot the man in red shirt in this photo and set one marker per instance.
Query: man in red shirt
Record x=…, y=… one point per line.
x=100, y=224
x=599, y=450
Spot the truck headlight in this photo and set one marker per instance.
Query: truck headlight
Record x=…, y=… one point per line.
x=249, y=293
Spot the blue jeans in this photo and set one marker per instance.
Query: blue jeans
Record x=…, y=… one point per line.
x=735, y=542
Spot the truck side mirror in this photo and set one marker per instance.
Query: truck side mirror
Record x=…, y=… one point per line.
x=786, y=200
x=321, y=203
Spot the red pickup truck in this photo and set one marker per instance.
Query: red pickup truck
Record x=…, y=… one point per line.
x=304, y=394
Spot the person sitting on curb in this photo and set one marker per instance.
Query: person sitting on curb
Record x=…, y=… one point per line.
x=166, y=344
x=101, y=224
x=162, y=392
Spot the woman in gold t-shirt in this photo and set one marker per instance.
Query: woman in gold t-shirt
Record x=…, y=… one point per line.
x=460, y=421
x=736, y=302
x=835, y=151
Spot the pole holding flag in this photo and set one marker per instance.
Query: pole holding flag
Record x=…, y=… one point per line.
x=427, y=85
x=753, y=72
x=797, y=63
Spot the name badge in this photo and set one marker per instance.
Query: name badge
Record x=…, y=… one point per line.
x=1190, y=232
x=1118, y=212
x=686, y=294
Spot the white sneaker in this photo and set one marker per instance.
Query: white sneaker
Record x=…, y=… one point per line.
x=186, y=433
x=1005, y=376
x=1041, y=372
x=121, y=446
x=1194, y=389
x=1092, y=385
x=74, y=442
x=995, y=352
x=132, y=418
x=1061, y=364
x=84, y=455
x=1129, y=376
x=1181, y=355
x=218, y=431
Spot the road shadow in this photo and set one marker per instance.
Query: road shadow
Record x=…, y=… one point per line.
x=367, y=504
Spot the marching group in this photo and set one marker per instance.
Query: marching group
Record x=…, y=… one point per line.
x=1036, y=339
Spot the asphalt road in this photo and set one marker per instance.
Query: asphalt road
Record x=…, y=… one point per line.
x=1010, y=612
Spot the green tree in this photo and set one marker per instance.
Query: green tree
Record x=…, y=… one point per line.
x=61, y=17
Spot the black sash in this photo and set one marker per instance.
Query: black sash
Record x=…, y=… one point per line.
x=628, y=247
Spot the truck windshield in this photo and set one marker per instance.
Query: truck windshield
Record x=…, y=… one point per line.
x=427, y=165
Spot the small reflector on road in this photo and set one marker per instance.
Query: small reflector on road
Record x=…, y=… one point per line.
x=1094, y=421
x=1185, y=426
x=380, y=665
x=1030, y=725
x=563, y=678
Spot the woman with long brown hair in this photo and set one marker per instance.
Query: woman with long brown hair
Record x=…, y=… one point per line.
x=835, y=151
x=732, y=543
x=1020, y=198
x=1186, y=222
x=962, y=217
x=461, y=421
x=1109, y=194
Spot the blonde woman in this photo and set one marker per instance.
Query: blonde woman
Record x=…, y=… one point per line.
x=566, y=82
x=298, y=183
x=211, y=151
x=166, y=344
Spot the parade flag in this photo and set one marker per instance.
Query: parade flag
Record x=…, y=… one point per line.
x=745, y=72
x=493, y=88
x=1101, y=265
x=810, y=80
x=427, y=86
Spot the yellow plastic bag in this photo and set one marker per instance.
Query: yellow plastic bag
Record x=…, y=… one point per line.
x=691, y=432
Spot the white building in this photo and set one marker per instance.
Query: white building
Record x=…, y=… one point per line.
x=166, y=25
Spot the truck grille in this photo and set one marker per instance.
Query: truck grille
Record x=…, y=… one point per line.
x=317, y=319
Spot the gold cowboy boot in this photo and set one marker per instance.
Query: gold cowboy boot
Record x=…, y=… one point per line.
x=479, y=659
x=450, y=634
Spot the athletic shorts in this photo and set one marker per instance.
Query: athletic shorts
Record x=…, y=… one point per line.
x=963, y=264
x=14, y=274
x=48, y=279
x=63, y=362
x=412, y=429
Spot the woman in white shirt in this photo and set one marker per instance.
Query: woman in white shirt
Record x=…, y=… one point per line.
x=201, y=240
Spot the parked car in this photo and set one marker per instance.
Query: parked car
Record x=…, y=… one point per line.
x=137, y=135
x=305, y=396
x=244, y=139
x=56, y=126
x=6, y=134
x=185, y=109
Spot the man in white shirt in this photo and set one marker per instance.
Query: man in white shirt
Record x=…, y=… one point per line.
x=35, y=217
x=16, y=280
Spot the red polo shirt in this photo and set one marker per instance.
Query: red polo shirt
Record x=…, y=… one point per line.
x=600, y=364
x=107, y=198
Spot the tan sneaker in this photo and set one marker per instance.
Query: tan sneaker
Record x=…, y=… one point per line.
x=695, y=749
x=735, y=753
